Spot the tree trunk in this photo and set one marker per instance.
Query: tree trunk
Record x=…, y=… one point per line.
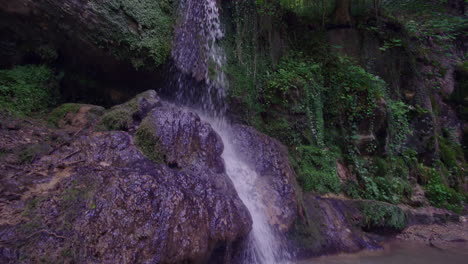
x=342, y=13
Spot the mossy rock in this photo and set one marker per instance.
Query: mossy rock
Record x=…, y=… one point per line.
x=127, y=115
x=144, y=27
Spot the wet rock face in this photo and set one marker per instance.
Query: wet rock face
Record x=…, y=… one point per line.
x=329, y=226
x=99, y=199
x=277, y=180
x=184, y=139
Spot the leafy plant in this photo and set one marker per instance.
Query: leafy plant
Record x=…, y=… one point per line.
x=440, y=195
x=378, y=216
x=316, y=169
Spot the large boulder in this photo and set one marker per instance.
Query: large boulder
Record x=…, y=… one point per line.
x=181, y=139
x=101, y=200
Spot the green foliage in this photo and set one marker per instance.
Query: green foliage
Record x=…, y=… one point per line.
x=452, y=159
x=427, y=19
x=316, y=169
x=312, y=98
x=382, y=216
x=399, y=126
x=352, y=97
x=60, y=112
x=384, y=179
x=297, y=84
x=440, y=195
x=352, y=189
x=28, y=89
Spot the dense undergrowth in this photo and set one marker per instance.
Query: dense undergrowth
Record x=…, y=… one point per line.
x=327, y=108
x=28, y=89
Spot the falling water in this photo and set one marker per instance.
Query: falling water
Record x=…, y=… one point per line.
x=199, y=58
x=197, y=54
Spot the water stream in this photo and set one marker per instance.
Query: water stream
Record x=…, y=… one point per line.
x=199, y=58
x=400, y=252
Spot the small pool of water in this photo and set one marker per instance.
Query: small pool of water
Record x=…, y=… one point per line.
x=401, y=253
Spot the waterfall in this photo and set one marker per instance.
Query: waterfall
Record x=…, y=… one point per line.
x=198, y=57
x=197, y=54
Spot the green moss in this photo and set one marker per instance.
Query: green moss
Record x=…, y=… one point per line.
x=382, y=216
x=60, y=112
x=116, y=119
x=149, y=143
x=28, y=89
x=119, y=117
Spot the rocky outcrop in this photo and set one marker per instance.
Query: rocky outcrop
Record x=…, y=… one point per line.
x=99, y=199
x=277, y=181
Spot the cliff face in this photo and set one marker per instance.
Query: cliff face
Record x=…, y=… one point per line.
x=118, y=42
x=370, y=106
x=137, y=32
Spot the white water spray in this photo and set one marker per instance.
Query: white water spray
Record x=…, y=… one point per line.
x=197, y=53
x=264, y=247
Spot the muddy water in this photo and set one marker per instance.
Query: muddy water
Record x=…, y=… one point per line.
x=401, y=253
